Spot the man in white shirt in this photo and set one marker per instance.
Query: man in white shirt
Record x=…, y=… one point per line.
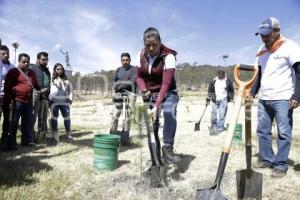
x=220, y=92
x=278, y=84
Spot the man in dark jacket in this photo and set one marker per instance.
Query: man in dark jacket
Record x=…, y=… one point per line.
x=220, y=92
x=123, y=80
x=40, y=99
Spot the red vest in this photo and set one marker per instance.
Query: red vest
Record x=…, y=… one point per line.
x=153, y=81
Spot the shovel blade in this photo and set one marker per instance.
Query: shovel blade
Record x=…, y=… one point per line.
x=212, y=193
x=158, y=177
x=155, y=154
x=197, y=126
x=249, y=184
x=125, y=139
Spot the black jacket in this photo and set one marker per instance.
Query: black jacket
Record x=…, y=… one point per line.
x=229, y=88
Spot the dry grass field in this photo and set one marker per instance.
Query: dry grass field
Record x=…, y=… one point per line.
x=66, y=171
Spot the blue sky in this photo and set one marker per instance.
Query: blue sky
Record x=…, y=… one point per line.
x=95, y=33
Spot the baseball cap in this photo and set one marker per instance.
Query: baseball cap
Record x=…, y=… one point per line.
x=268, y=25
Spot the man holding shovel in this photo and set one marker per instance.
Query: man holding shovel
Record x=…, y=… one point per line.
x=220, y=92
x=123, y=80
x=279, y=84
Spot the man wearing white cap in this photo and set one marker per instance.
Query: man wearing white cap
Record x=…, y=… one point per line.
x=278, y=84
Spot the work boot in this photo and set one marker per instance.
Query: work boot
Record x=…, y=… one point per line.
x=169, y=155
x=69, y=138
x=55, y=138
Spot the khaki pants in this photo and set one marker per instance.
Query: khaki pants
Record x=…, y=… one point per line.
x=40, y=114
x=118, y=108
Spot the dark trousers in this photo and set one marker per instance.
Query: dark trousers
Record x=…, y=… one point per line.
x=5, y=124
x=25, y=111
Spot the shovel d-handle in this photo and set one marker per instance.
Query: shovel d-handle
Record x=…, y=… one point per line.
x=246, y=84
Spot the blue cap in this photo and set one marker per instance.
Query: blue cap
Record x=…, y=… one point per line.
x=268, y=25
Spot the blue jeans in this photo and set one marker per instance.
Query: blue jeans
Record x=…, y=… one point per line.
x=169, y=107
x=267, y=111
x=25, y=111
x=169, y=112
x=221, y=106
x=65, y=111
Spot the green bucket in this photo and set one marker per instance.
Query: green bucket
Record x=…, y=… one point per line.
x=238, y=131
x=106, y=150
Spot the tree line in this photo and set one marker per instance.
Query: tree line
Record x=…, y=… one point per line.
x=188, y=76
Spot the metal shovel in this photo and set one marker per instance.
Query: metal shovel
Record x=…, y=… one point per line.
x=249, y=182
x=158, y=171
x=214, y=192
x=197, y=125
x=125, y=139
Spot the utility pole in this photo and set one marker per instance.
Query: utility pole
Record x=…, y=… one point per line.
x=224, y=58
x=15, y=45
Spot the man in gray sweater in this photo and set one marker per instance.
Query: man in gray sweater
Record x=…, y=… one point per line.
x=123, y=80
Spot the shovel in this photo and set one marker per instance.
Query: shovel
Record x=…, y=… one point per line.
x=214, y=192
x=197, y=125
x=249, y=182
x=125, y=140
x=158, y=171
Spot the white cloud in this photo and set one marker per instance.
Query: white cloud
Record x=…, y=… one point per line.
x=87, y=34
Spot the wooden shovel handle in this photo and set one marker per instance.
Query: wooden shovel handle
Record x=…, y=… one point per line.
x=243, y=86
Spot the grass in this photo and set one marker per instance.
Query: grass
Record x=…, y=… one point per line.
x=66, y=171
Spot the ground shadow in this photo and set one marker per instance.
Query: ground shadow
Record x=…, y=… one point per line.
x=83, y=142
x=182, y=166
x=21, y=150
x=297, y=167
x=77, y=134
x=138, y=137
x=122, y=162
x=291, y=162
x=16, y=172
